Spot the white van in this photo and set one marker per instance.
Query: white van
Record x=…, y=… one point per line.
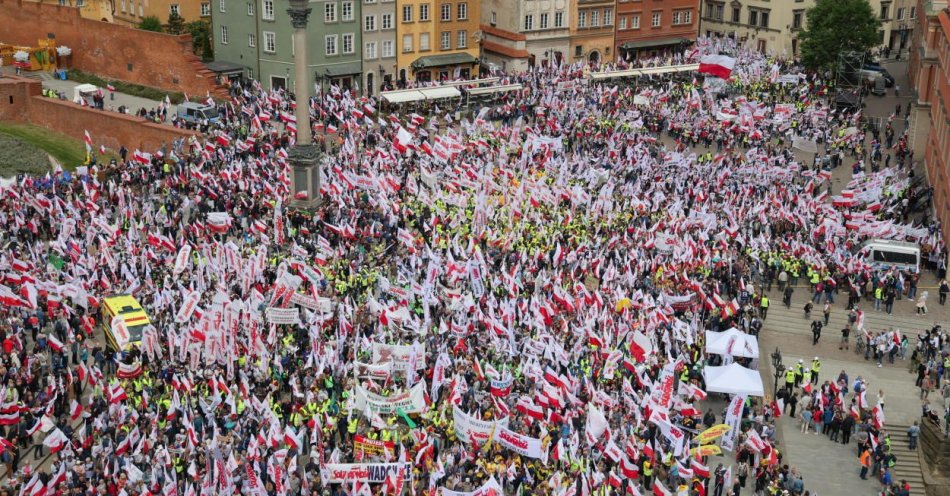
x=884, y=254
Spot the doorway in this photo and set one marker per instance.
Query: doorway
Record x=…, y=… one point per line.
x=278, y=83
x=369, y=83
x=594, y=57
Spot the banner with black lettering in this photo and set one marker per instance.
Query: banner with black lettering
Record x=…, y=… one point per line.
x=373, y=473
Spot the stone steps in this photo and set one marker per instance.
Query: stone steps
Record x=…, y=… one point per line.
x=908, y=462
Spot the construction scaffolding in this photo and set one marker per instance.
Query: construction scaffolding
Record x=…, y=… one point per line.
x=849, y=80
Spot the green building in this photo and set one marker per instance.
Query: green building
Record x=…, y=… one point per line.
x=254, y=38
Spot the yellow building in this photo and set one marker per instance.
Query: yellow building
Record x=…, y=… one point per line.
x=592, y=30
x=99, y=10
x=131, y=12
x=437, y=39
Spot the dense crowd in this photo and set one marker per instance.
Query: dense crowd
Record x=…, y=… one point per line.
x=512, y=301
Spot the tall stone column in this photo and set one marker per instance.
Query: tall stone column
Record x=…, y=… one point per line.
x=303, y=156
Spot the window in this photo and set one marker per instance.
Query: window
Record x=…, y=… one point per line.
x=608, y=17
x=423, y=12
x=676, y=17
x=884, y=8
x=205, y=9
x=753, y=17
x=172, y=9
x=329, y=12
x=462, y=11
x=369, y=51
x=80, y=3
x=657, y=17
x=224, y=35
x=348, y=43
x=270, y=42
x=142, y=9
x=388, y=49
x=494, y=18
x=913, y=12
x=267, y=10
x=123, y=5
x=369, y=1
x=900, y=14
x=582, y=19
x=528, y=22
x=635, y=21
x=797, y=19
x=423, y=42
x=251, y=40
x=736, y=14
x=407, y=13
x=594, y=19
x=543, y=24
x=386, y=21
x=406, y=43
x=347, y=11
x=717, y=12
x=623, y=22
x=764, y=19
x=578, y=50
x=221, y=7
x=462, y=39
x=369, y=23
x=445, y=12
x=445, y=40
x=687, y=16
x=329, y=42
x=250, y=8
x=559, y=19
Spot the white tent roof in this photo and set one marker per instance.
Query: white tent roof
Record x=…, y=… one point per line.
x=733, y=379
x=744, y=345
x=402, y=96
x=436, y=92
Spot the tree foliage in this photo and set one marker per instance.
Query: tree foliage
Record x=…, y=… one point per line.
x=201, y=38
x=835, y=26
x=176, y=25
x=151, y=23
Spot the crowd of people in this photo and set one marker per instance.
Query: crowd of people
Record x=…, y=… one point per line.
x=513, y=305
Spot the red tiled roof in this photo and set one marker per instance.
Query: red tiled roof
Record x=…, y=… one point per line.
x=504, y=50
x=501, y=33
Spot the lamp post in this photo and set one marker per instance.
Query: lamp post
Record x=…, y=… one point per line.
x=304, y=156
x=778, y=367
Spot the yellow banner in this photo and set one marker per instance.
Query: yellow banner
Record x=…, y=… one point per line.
x=707, y=450
x=709, y=435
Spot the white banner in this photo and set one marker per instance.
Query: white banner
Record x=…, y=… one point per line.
x=523, y=445
x=733, y=420
x=399, y=355
x=283, y=315
x=188, y=307
x=492, y=487
x=381, y=371
x=374, y=473
x=412, y=401
x=467, y=427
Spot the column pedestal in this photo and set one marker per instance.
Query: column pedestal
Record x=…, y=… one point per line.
x=304, y=176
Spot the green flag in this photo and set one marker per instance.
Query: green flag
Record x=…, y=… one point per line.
x=409, y=422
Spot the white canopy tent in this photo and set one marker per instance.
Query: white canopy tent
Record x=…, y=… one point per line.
x=419, y=94
x=733, y=379
x=644, y=71
x=743, y=345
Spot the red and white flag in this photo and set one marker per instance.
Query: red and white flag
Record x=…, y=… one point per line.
x=717, y=65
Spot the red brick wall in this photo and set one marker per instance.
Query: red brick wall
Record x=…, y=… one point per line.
x=14, y=95
x=106, y=128
x=645, y=10
x=157, y=60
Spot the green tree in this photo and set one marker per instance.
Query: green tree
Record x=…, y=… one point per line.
x=151, y=23
x=200, y=38
x=176, y=25
x=835, y=26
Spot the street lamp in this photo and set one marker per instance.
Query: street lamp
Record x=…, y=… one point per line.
x=779, y=368
x=303, y=157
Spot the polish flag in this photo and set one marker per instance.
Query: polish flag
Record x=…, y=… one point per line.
x=87, y=139
x=699, y=469
x=290, y=437
x=56, y=441
x=660, y=490
x=640, y=346
x=629, y=469
x=717, y=65
x=141, y=157
x=55, y=344
x=75, y=410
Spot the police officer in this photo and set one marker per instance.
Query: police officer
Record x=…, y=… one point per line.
x=815, y=368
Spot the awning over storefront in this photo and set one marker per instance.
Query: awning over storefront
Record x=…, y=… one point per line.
x=637, y=44
x=443, y=60
x=223, y=67
x=347, y=69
